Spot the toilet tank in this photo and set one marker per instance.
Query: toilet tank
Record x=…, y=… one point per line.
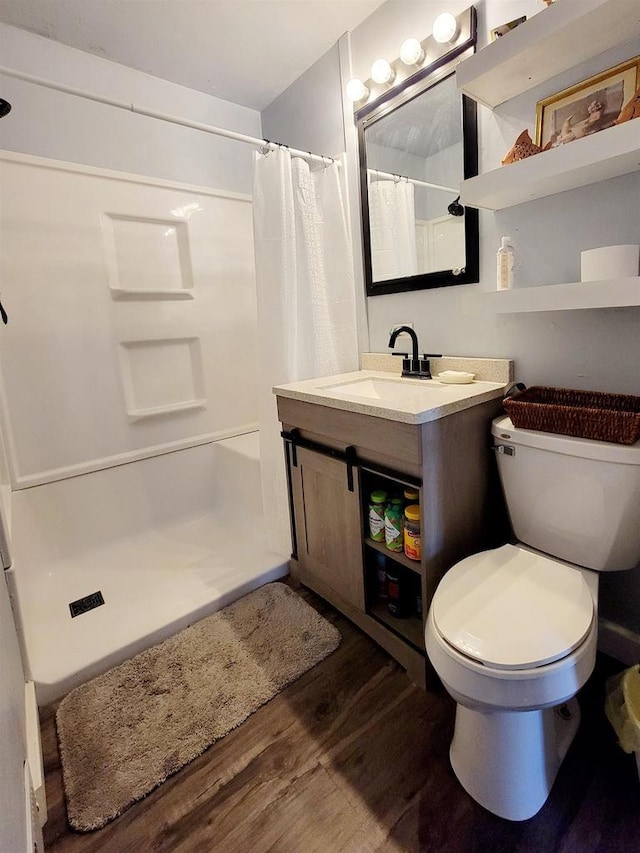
x=571, y=498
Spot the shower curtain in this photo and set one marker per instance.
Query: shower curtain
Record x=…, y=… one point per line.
x=306, y=300
x=392, y=221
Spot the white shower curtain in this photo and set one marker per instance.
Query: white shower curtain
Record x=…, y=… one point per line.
x=306, y=300
x=392, y=222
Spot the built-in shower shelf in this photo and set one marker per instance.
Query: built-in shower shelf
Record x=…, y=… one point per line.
x=150, y=295
x=154, y=411
x=616, y=293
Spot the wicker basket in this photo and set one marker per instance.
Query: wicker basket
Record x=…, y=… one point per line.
x=584, y=414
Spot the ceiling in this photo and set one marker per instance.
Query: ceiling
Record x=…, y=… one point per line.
x=245, y=51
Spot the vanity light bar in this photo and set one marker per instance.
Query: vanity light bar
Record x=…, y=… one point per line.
x=414, y=56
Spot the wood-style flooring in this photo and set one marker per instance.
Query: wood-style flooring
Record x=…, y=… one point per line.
x=354, y=757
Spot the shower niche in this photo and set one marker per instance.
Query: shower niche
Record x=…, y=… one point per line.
x=162, y=376
x=147, y=258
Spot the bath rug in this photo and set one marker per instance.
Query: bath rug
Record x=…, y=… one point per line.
x=123, y=733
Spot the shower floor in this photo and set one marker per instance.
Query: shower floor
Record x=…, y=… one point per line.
x=153, y=538
x=153, y=585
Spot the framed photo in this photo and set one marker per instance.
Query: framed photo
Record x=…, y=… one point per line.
x=590, y=106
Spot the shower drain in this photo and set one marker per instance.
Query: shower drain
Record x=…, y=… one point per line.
x=82, y=605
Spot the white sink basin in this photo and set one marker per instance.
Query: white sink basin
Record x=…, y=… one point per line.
x=388, y=395
x=392, y=390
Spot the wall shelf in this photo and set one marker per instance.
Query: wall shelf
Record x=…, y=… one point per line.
x=616, y=293
x=553, y=41
x=608, y=154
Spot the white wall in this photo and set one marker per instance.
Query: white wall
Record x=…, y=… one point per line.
x=65, y=127
x=595, y=349
x=5, y=506
x=12, y=733
x=319, y=102
x=12, y=707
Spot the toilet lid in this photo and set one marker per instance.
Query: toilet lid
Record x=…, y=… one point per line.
x=513, y=609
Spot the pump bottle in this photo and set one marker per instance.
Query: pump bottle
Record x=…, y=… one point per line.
x=505, y=265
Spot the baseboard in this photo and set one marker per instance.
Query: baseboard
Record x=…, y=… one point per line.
x=33, y=836
x=618, y=642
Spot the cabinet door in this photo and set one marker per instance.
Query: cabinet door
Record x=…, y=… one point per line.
x=328, y=524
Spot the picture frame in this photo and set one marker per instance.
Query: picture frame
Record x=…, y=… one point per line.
x=588, y=107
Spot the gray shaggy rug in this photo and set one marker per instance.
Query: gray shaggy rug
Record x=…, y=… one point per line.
x=122, y=734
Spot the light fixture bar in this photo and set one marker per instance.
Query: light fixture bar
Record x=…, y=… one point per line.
x=431, y=50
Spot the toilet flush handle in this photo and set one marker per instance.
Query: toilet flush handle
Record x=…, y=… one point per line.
x=504, y=448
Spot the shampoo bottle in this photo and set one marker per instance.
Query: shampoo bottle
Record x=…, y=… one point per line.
x=506, y=261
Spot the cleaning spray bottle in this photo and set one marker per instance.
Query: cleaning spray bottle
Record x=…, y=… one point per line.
x=506, y=261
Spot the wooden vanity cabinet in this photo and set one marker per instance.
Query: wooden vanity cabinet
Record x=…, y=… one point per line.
x=335, y=458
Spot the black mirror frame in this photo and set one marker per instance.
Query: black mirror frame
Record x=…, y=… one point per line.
x=414, y=86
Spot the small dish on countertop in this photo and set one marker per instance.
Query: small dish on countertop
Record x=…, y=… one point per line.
x=455, y=377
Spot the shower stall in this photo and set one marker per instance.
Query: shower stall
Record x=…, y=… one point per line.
x=144, y=461
x=129, y=397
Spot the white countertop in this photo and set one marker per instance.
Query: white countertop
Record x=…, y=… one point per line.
x=384, y=395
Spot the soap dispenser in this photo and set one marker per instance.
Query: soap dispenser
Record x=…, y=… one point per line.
x=505, y=265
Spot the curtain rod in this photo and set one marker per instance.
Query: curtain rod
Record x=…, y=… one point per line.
x=415, y=181
x=194, y=125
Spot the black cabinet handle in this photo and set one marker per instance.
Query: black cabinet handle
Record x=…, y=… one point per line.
x=352, y=462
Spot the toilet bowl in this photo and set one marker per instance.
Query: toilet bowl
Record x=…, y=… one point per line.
x=512, y=632
x=496, y=637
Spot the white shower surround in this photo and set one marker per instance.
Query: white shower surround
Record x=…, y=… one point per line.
x=128, y=298
x=129, y=386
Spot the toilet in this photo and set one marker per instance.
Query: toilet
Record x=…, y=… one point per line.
x=512, y=632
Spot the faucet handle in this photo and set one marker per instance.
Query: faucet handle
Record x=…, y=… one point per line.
x=423, y=366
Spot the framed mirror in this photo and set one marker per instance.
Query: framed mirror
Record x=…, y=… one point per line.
x=417, y=142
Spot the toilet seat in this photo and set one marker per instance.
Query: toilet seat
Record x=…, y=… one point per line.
x=513, y=609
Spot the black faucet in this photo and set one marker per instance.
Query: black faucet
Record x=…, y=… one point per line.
x=416, y=367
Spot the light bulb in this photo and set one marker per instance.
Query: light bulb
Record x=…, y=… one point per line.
x=411, y=52
x=382, y=72
x=356, y=90
x=445, y=28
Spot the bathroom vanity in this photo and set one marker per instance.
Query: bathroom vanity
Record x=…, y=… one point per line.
x=346, y=436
